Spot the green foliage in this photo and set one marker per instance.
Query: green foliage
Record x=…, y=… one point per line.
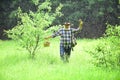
x=36, y=2
x=107, y=52
x=94, y=13
x=29, y=31
x=113, y=30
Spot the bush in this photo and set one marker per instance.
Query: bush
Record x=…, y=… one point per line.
x=107, y=52
x=29, y=31
x=113, y=30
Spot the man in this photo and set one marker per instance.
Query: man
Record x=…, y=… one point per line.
x=66, y=33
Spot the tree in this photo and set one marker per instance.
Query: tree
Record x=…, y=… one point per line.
x=94, y=13
x=29, y=31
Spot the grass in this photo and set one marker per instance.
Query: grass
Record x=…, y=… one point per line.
x=16, y=65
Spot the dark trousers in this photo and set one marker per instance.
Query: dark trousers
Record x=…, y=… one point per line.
x=65, y=52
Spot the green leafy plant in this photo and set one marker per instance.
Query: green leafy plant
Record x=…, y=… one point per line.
x=29, y=31
x=107, y=51
x=113, y=30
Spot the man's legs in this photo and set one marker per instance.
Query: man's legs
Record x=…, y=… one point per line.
x=62, y=51
x=65, y=53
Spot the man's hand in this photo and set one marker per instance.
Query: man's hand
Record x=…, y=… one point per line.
x=48, y=37
x=80, y=24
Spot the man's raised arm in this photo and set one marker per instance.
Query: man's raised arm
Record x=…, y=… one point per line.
x=80, y=24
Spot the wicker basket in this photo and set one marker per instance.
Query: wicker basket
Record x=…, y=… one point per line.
x=46, y=44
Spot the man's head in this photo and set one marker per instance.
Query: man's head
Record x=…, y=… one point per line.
x=67, y=24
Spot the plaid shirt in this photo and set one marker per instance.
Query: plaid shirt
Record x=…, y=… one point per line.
x=66, y=36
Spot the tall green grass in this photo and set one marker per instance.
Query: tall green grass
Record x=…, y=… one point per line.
x=15, y=63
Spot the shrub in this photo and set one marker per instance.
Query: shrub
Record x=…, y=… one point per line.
x=107, y=51
x=113, y=30
x=29, y=31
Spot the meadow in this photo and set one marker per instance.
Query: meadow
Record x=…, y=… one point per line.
x=15, y=63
